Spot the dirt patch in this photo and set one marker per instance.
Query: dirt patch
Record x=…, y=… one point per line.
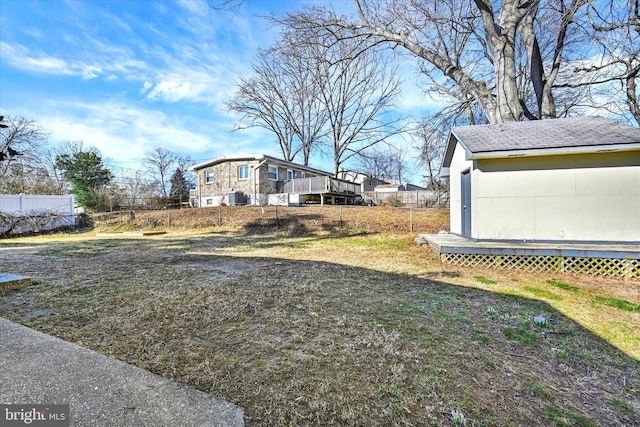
x=349, y=329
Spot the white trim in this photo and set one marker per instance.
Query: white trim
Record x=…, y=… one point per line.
x=269, y=173
x=262, y=158
x=244, y=167
x=551, y=151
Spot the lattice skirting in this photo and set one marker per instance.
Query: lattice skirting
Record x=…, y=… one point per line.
x=627, y=268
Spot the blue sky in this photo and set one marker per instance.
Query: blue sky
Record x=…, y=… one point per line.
x=130, y=76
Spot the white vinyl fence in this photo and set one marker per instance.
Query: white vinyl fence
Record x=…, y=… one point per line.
x=20, y=213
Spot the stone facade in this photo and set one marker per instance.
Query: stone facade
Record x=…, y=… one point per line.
x=249, y=175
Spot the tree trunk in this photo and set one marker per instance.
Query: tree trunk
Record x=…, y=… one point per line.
x=501, y=37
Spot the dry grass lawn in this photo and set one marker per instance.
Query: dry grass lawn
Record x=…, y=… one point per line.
x=336, y=317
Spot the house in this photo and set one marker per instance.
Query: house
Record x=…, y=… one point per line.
x=561, y=180
x=367, y=183
x=389, y=188
x=261, y=179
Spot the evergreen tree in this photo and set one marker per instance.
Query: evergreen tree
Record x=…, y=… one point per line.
x=86, y=173
x=179, y=186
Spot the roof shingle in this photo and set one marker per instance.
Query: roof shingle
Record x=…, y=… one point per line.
x=546, y=134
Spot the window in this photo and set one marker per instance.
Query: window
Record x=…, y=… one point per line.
x=243, y=172
x=208, y=177
x=303, y=175
x=209, y=201
x=273, y=173
x=289, y=174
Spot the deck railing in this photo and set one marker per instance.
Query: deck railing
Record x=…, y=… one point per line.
x=320, y=185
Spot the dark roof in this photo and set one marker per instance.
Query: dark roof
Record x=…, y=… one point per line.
x=263, y=157
x=540, y=137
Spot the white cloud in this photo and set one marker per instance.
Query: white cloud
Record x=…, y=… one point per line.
x=121, y=132
x=20, y=57
x=145, y=87
x=173, y=91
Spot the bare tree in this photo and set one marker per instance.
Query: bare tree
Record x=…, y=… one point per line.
x=159, y=164
x=283, y=97
x=136, y=189
x=358, y=90
x=25, y=164
x=306, y=91
x=21, y=141
x=431, y=137
x=309, y=113
x=265, y=101
x=615, y=59
x=388, y=164
x=231, y=5
x=472, y=44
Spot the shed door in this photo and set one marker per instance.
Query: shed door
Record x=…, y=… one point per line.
x=466, y=202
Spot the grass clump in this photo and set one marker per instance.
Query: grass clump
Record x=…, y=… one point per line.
x=542, y=293
x=619, y=404
x=521, y=334
x=562, y=285
x=618, y=303
x=484, y=280
x=539, y=389
x=565, y=418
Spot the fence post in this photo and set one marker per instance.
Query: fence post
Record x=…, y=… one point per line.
x=410, y=220
x=340, y=216
x=219, y=216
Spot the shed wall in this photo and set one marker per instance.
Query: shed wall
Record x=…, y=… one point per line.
x=588, y=197
x=458, y=164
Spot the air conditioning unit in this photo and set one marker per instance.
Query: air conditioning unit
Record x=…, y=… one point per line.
x=236, y=198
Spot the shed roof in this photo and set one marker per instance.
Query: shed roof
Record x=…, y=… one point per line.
x=543, y=137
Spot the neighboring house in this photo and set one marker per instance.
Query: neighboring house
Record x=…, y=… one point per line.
x=411, y=187
x=366, y=182
x=389, y=188
x=262, y=179
x=548, y=180
x=374, y=184
x=396, y=186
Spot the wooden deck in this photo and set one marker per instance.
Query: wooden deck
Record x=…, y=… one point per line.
x=453, y=244
x=12, y=281
x=620, y=260
x=321, y=185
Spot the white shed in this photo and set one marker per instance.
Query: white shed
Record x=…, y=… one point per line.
x=566, y=180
